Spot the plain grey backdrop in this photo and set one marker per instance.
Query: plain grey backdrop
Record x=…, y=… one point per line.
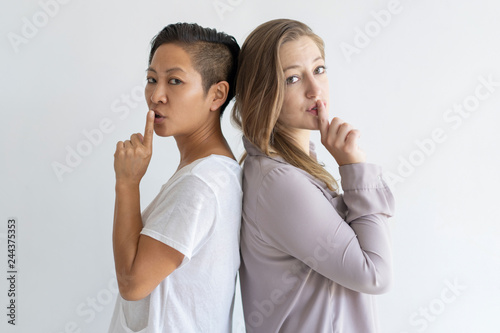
x=420, y=79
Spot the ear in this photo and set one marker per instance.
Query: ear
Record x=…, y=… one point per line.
x=219, y=95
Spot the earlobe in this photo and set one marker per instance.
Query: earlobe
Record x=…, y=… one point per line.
x=220, y=91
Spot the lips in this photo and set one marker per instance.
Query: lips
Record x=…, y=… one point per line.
x=158, y=117
x=313, y=109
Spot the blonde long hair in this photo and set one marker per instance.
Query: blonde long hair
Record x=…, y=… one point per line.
x=260, y=91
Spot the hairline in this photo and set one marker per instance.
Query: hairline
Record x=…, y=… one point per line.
x=189, y=48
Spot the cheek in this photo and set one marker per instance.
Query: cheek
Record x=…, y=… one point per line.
x=290, y=104
x=191, y=96
x=284, y=111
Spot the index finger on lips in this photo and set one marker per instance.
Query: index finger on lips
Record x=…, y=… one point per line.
x=322, y=119
x=148, y=132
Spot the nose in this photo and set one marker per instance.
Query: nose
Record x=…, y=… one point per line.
x=313, y=88
x=159, y=95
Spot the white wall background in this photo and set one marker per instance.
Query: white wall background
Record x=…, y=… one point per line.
x=74, y=67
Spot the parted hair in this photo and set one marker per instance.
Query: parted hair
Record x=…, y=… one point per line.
x=260, y=91
x=213, y=54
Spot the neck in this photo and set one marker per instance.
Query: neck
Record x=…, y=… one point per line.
x=303, y=137
x=204, y=142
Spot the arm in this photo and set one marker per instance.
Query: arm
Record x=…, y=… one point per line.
x=305, y=224
x=141, y=262
x=297, y=218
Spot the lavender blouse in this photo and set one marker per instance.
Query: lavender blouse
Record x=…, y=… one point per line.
x=311, y=258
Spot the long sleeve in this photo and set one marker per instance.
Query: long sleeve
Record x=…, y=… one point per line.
x=343, y=237
x=311, y=257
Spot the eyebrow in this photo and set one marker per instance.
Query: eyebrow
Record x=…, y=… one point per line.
x=173, y=69
x=297, y=66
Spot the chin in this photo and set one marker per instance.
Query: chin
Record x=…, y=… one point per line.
x=313, y=127
x=163, y=134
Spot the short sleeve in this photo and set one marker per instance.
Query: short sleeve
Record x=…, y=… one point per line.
x=182, y=216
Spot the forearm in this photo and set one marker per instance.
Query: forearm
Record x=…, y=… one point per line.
x=365, y=193
x=126, y=231
x=370, y=203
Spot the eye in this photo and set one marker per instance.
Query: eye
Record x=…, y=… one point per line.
x=320, y=70
x=174, y=82
x=150, y=80
x=292, y=79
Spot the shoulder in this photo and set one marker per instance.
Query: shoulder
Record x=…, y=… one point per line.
x=266, y=175
x=216, y=168
x=214, y=174
x=210, y=163
x=217, y=174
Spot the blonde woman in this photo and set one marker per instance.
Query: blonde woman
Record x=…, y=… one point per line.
x=310, y=256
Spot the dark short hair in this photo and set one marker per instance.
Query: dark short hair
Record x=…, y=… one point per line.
x=214, y=54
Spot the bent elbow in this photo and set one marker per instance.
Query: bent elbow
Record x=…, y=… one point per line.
x=379, y=289
x=131, y=291
x=378, y=284
x=132, y=294
x=131, y=297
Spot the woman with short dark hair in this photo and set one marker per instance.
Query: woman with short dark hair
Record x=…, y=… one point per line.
x=176, y=263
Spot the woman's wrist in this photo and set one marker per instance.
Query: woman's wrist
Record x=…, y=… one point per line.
x=126, y=185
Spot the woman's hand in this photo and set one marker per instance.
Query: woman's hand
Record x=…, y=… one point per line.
x=339, y=138
x=132, y=156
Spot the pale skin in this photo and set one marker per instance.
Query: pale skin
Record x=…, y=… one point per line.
x=306, y=103
x=339, y=138
x=191, y=116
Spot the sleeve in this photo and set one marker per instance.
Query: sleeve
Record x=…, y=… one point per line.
x=296, y=217
x=184, y=216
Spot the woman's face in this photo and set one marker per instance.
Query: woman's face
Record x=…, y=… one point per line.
x=306, y=83
x=175, y=92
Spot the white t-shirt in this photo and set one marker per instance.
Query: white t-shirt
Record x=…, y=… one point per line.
x=198, y=213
